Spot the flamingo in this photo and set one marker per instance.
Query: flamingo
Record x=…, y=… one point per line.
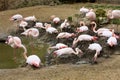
x=97, y=47
x=84, y=37
x=30, y=18
x=65, y=35
x=39, y=25
x=65, y=24
x=112, y=41
x=50, y=29
x=31, y=32
x=108, y=34
x=84, y=10
x=23, y=24
x=16, y=17
x=33, y=60
x=100, y=30
x=58, y=46
x=67, y=50
x=113, y=14
x=15, y=42
x=55, y=19
x=82, y=28
x=91, y=15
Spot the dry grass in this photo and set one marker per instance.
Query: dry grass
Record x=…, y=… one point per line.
x=43, y=13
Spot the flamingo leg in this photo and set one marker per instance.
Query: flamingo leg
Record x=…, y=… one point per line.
x=14, y=54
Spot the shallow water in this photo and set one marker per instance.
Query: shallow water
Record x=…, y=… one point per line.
x=13, y=58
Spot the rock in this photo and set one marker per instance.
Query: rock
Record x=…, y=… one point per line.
x=3, y=38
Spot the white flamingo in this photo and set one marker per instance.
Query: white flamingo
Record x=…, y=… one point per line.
x=30, y=18
x=55, y=19
x=84, y=37
x=113, y=14
x=100, y=30
x=65, y=24
x=39, y=25
x=16, y=17
x=33, y=60
x=15, y=42
x=65, y=35
x=97, y=47
x=91, y=15
x=84, y=10
x=31, y=32
x=58, y=46
x=112, y=41
x=67, y=50
x=82, y=27
x=50, y=29
x=23, y=24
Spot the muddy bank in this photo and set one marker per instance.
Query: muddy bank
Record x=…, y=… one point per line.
x=107, y=70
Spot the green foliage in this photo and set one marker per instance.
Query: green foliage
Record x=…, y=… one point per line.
x=100, y=13
x=70, y=19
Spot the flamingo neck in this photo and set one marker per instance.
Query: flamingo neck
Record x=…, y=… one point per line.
x=94, y=28
x=25, y=51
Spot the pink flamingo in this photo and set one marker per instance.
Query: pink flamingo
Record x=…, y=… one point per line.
x=83, y=37
x=30, y=18
x=113, y=14
x=58, y=46
x=31, y=32
x=16, y=17
x=84, y=10
x=65, y=35
x=15, y=42
x=55, y=19
x=97, y=47
x=67, y=50
x=82, y=27
x=100, y=30
x=91, y=15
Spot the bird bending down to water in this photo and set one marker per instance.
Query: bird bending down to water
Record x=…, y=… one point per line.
x=15, y=42
x=97, y=47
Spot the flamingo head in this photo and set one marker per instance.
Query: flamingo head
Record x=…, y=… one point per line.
x=55, y=54
x=8, y=41
x=36, y=64
x=82, y=23
x=94, y=38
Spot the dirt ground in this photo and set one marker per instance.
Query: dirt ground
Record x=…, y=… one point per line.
x=107, y=69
